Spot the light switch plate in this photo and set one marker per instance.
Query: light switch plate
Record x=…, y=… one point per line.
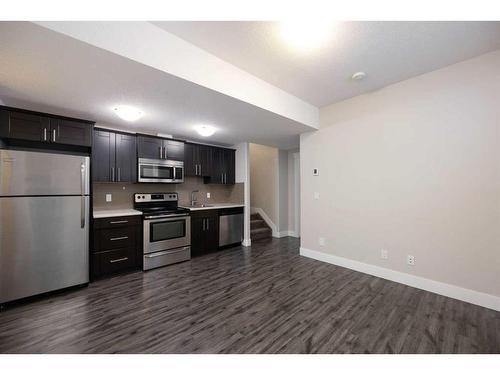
x=109, y=198
x=208, y=195
x=316, y=195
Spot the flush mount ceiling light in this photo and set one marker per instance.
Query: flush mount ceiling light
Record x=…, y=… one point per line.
x=358, y=76
x=128, y=113
x=205, y=130
x=306, y=35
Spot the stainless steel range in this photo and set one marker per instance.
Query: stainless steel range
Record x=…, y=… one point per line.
x=167, y=229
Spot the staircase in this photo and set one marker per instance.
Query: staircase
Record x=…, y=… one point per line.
x=258, y=228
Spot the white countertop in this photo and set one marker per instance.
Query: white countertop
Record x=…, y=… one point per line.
x=99, y=214
x=214, y=206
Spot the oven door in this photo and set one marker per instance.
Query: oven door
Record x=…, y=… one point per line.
x=166, y=233
x=150, y=172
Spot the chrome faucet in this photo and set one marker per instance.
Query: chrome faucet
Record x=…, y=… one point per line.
x=193, y=198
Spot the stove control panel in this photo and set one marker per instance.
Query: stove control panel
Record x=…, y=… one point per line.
x=155, y=197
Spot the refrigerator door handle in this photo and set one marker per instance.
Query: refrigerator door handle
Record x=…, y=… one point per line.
x=82, y=208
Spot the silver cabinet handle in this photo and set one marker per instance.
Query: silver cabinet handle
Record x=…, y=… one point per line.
x=53, y=135
x=118, y=260
x=119, y=222
x=82, y=208
x=208, y=228
x=45, y=134
x=200, y=169
x=204, y=224
x=159, y=148
x=112, y=174
x=118, y=238
x=196, y=169
x=119, y=174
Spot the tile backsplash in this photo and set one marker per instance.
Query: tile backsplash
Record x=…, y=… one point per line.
x=122, y=194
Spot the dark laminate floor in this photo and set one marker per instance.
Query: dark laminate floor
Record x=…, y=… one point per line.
x=266, y=299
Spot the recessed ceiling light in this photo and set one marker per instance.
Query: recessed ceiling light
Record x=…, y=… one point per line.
x=358, y=76
x=306, y=34
x=128, y=113
x=205, y=130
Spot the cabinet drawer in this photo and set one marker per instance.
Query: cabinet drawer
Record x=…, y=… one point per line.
x=117, y=222
x=115, y=238
x=114, y=261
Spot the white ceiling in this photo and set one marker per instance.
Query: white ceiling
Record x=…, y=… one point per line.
x=47, y=71
x=387, y=51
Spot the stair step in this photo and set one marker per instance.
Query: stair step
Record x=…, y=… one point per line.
x=259, y=233
x=255, y=217
x=258, y=223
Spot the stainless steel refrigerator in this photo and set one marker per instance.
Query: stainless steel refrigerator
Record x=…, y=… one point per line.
x=44, y=222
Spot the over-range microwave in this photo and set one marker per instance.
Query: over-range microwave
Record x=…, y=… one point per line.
x=160, y=171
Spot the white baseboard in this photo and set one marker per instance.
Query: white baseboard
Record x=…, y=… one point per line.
x=269, y=222
x=448, y=290
x=287, y=233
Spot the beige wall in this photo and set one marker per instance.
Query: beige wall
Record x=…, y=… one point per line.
x=264, y=179
x=413, y=168
x=123, y=193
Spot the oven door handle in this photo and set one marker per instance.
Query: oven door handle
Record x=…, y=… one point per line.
x=163, y=217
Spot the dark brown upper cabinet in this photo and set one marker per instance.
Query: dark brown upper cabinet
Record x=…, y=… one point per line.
x=159, y=148
x=198, y=160
x=114, y=157
x=223, y=166
x=33, y=126
x=70, y=132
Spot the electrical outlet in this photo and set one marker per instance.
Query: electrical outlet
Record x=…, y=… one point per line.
x=109, y=198
x=321, y=241
x=316, y=195
x=384, y=254
x=410, y=260
x=208, y=195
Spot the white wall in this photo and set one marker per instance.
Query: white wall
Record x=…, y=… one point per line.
x=413, y=168
x=293, y=193
x=242, y=174
x=283, y=192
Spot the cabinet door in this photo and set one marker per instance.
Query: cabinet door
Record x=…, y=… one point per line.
x=150, y=147
x=175, y=150
x=229, y=166
x=70, y=132
x=217, y=172
x=206, y=159
x=197, y=235
x=103, y=156
x=25, y=126
x=126, y=158
x=191, y=159
x=211, y=233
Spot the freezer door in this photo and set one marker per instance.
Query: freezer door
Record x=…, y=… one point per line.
x=43, y=246
x=40, y=173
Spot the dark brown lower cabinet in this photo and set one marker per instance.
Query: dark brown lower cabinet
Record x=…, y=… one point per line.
x=204, y=231
x=116, y=246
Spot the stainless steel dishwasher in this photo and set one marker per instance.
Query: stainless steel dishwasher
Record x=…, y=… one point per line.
x=230, y=226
